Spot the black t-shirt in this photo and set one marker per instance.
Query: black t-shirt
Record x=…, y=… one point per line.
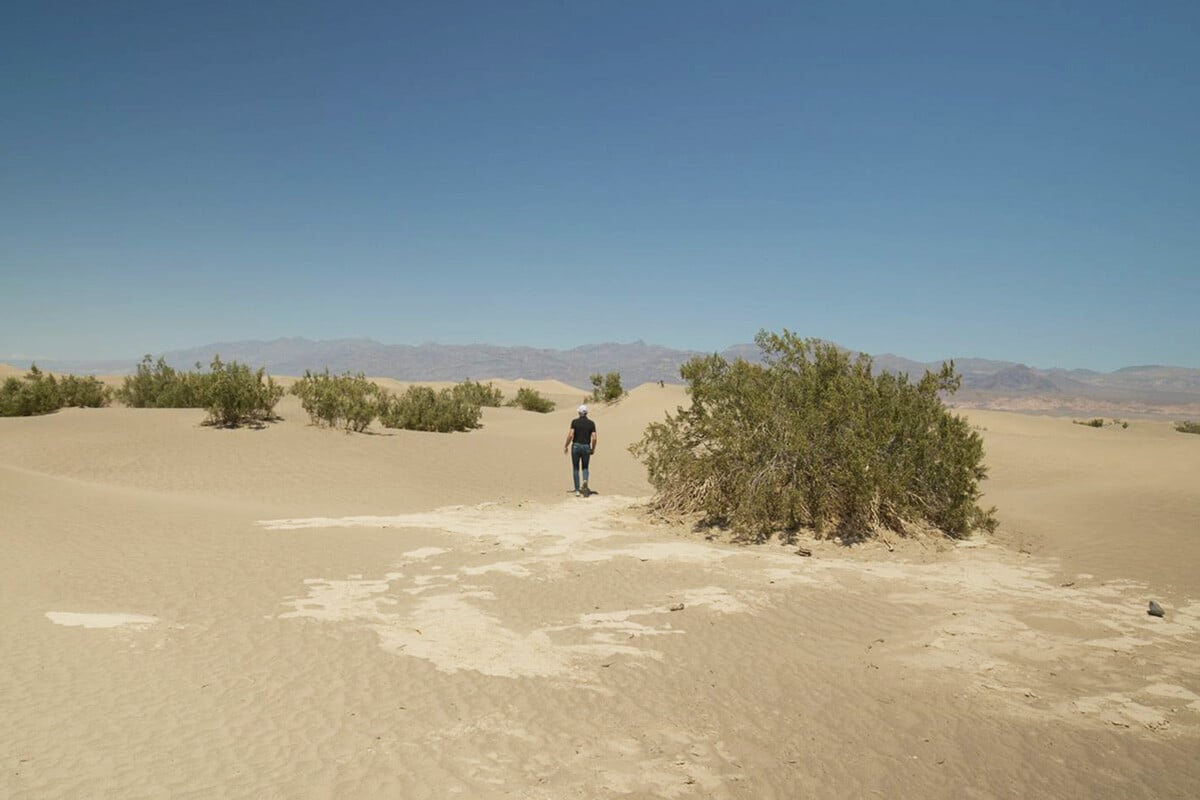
x=584, y=428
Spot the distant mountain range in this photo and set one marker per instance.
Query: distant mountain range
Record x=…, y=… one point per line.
x=986, y=383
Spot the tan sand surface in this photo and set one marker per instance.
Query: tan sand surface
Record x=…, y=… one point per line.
x=189, y=612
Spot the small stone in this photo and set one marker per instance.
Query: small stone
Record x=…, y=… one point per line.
x=1156, y=610
x=677, y=607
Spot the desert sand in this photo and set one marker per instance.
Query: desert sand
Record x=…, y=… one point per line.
x=294, y=612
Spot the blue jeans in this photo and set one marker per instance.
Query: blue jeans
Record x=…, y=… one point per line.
x=581, y=454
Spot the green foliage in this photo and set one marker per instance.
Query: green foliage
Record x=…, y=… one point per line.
x=234, y=395
x=421, y=408
x=347, y=401
x=532, y=400
x=1187, y=427
x=86, y=392
x=1099, y=422
x=607, y=388
x=486, y=395
x=41, y=393
x=158, y=385
x=37, y=393
x=811, y=438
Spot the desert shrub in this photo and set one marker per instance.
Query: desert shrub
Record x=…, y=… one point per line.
x=607, y=388
x=10, y=391
x=86, y=392
x=532, y=400
x=349, y=401
x=485, y=395
x=1099, y=422
x=41, y=393
x=1187, y=427
x=421, y=408
x=36, y=393
x=235, y=395
x=811, y=438
x=158, y=385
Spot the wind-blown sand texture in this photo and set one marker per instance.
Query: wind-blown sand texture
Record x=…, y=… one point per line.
x=294, y=612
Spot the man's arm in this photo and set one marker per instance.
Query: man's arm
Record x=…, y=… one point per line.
x=594, y=440
x=570, y=438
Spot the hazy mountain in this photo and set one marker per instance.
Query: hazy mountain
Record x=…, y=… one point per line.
x=1015, y=379
x=986, y=382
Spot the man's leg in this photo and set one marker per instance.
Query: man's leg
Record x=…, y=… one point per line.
x=575, y=466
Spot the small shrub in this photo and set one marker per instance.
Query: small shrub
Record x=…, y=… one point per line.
x=1091, y=423
x=349, y=401
x=234, y=395
x=421, y=408
x=1188, y=427
x=607, y=388
x=532, y=400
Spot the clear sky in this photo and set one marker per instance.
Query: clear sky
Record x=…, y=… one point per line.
x=998, y=179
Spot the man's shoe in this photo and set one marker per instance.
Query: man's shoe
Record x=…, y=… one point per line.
x=584, y=488
x=578, y=493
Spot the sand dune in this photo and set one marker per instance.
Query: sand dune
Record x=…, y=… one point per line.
x=301, y=613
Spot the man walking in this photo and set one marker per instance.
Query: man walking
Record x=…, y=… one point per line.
x=581, y=441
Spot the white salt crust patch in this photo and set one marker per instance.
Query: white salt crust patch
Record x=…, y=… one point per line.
x=79, y=620
x=1011, y=625
x=455, y=625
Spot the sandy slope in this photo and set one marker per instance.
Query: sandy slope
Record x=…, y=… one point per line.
x=296, y=613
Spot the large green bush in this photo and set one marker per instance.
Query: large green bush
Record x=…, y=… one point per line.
x=1187, y=427
x=83, y=392
x=811, y=438
x=421, y=408
x=158, y=385
x=37, y=393
x=481, y=394
x=41, y=393
x=532, y=400
x=235, y=395
x=607, y=388
x=349, y=401
x=232, y=393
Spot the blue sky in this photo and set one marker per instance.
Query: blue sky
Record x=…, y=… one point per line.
x=1008, y=180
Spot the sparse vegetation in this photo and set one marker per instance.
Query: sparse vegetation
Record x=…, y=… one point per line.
x=1099, y=422
x=607, y=388
x=1187, y=427
x=421, y=408
x=347, y=401
x=40, y=392
x=812, y=439
x=532, y=400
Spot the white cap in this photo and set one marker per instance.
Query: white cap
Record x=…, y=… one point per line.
x=583, y=409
